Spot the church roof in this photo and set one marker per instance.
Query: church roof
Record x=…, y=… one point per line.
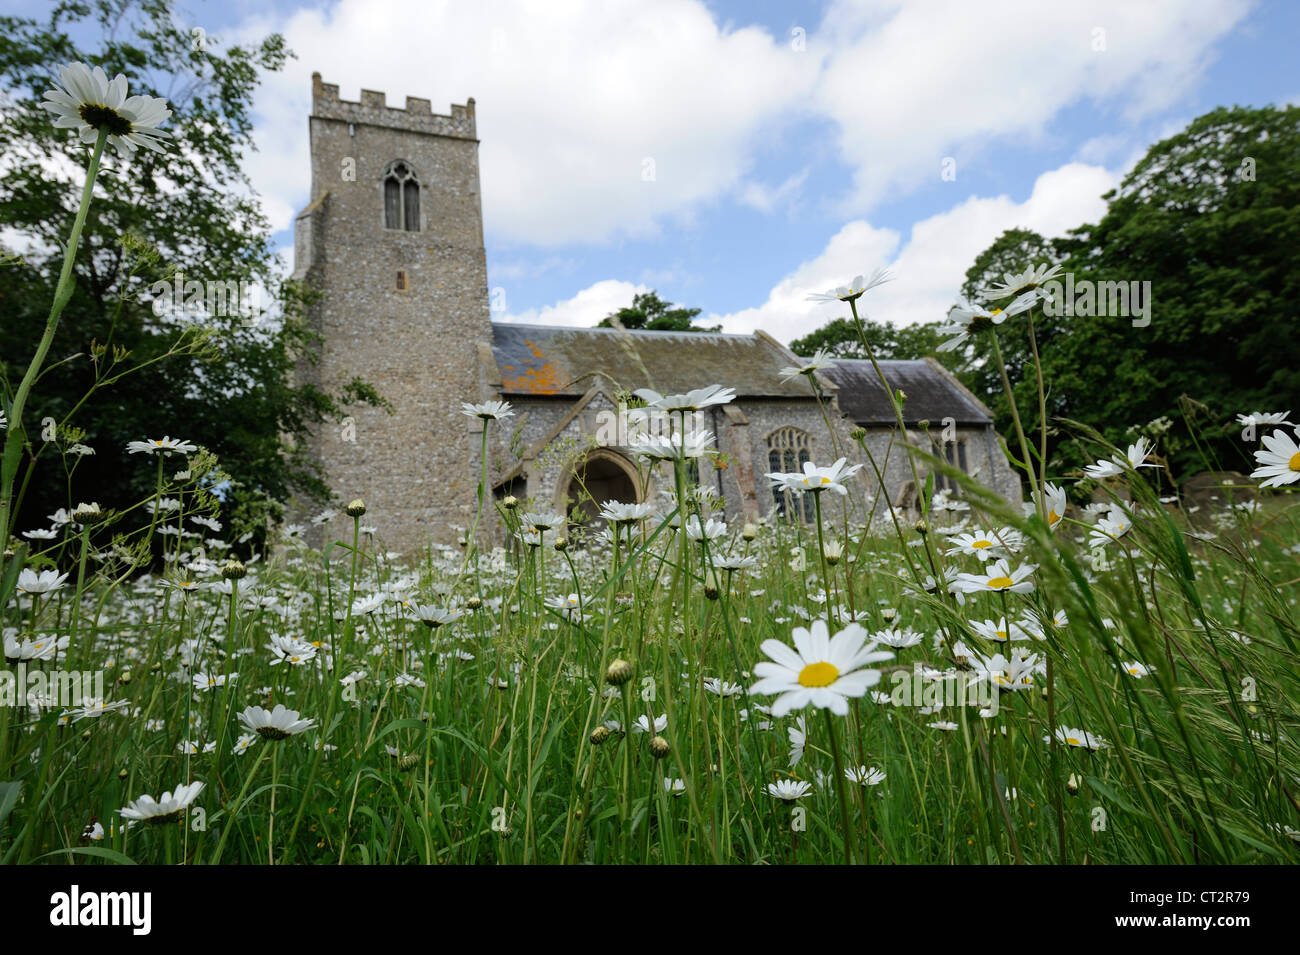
x=932, y=393
x=567, y=361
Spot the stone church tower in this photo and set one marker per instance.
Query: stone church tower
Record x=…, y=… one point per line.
x=392, y=239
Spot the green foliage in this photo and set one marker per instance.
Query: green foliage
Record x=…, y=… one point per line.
x=223, y=381
x=1211, y=218
x=651, y=313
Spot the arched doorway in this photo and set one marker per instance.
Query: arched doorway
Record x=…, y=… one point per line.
x=601, y=476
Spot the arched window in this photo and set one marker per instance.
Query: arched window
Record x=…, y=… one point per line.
x=401, y=198
x=787, y=450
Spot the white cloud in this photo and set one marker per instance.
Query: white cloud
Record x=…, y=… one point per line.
x=572, y=100
x=931, y=265
x=584, y=309
x=911, y=83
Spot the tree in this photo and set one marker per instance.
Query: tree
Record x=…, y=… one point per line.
x=220, y=377
x=649, y=312
x=1210, y=217
x=839, y=337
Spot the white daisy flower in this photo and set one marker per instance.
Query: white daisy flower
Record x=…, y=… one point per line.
x=87, y=101
x=821, y=670
x=855, y=289
x=167, y=808
x=488, y=410
x=1000, y=578
x=276, y=724
x=691, y=401
x=1029, y=280
x=789, y=789
x=44, y=582
x=164, y=445
x=820, y=360
x=1279, y=460
x=1078, y=738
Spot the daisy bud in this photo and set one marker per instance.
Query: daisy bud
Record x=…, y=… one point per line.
x=921, y=527
x=858, y=433
x=122, y=774
x=510, y=503
x=749, y=532
x=711, y=586
x=659, y=747
x=561, y=544
x=86, y=512
x=599, y=735
x=356, y=508
x=888, y=613
x=1072, y=785
x=124, y=677
x=833, y=551
x=155, y=668
x=618, y=673
x=85, y=737
x=408, y=762
x=473, y=603
x=234, y=570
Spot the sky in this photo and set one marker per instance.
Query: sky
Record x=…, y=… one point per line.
x=737, y=156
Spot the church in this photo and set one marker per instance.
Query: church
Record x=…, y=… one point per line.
x=392, y=241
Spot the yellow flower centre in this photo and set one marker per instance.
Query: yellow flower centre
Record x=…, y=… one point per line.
x=1294, y=463
x=980, y=545
x=826, y=480
x=1053, y=517
x=1074, y=741
x=999, y=583
x=1002, y=634
x=818, y=674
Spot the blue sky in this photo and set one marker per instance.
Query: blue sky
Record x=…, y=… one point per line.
x=785, y=161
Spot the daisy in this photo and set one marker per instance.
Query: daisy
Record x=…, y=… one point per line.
x=1000, y=632
x=789, y=789
x=1078, y=738
x=815, y=479
x=899, y=639
x=1056, y=505
x=674, y=787
x=616, y=512
x=206, y=681
x=167, y=808
x=1279, y=460
x=1029, y=280
x=45, y=582
x=864, y=775
x=798, y=740
x=659, y=447
x=88, y=101
x=813, y=365
x=1109, y=528
x=691, y=401
x=1000, y=578
x=291, y=650
x=541, y=521
x=719, y=687
x=164, y=445
x=642, y=724
x=276, y=724
x=735, y=562
x=1134, y=458
x=855, y=289
x=821, y=670
x=1136, y=669
x=488, y=410
x=711, y=530
x=981, y=544
x=1257, y=418
x=963, y=322
x=435, y=617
